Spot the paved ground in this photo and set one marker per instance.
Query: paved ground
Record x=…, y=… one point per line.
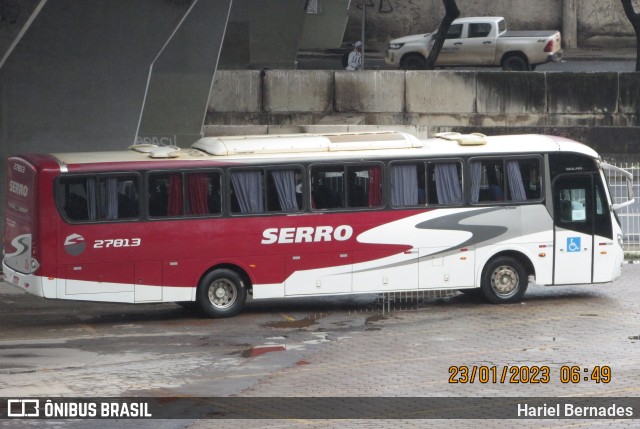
x=323, y=348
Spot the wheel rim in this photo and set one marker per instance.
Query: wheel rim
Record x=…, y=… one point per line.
x=504, y=281
x=222, y=293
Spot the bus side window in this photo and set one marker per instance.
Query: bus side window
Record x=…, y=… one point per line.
x=127, y=197
x=327, y=187
x=75, y=203
x=103, y=197
x=364, y=186
x=523, y=176
x=248, y=191
x=487, y=181
x=76, y=207
x=203, y=193
x=72, y=192
x=284, y=190
x=165, y=194
x=408, y=185
x=444, y=183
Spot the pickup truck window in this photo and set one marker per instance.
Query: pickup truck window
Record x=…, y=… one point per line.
x=479, y=30
x=502, y=26
x=455, y=31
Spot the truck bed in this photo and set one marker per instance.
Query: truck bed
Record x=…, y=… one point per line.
x=539, y=33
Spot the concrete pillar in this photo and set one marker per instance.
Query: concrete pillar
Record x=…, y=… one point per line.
x=570, y=23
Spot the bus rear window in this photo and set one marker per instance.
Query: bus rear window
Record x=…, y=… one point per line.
x=98, y=198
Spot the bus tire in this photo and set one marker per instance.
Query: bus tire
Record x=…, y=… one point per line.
x=221, y=293
x=504, y=280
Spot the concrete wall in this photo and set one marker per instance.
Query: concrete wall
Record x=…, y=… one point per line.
x=596, y=22
x=428, y=101
x=603, y=23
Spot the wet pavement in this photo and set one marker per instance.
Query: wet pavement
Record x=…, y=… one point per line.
x=324, y=347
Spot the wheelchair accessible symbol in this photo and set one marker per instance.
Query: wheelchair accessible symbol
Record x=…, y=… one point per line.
x=573, y=244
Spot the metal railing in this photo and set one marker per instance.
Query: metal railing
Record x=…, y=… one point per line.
x=629, y=216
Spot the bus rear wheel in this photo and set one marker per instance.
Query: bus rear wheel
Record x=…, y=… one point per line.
x=504, y=280
x=221, y=293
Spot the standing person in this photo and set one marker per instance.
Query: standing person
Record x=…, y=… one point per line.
x=355, y=57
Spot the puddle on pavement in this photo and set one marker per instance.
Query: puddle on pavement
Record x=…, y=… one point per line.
x=373, y=319
x=302, y=323
x=260, y=350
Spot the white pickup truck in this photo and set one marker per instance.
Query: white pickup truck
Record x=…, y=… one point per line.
x=478, y=41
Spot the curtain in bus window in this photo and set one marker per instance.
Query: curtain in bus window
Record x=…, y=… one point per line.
x=448, y=186
x=91, y=199
x=174, y=207
x=285, y=181
x=247, y=186
x=475, y=170
x=197, y=194
x=404, y=185
x=375, y=187
x=128, y=198
x=112, y=198
x=515, y=181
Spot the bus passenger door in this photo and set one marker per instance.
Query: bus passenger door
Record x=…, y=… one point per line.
x=573, y=224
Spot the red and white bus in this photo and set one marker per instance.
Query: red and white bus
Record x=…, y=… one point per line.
x=308, y=215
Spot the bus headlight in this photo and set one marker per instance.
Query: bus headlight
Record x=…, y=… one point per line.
x=620, y=241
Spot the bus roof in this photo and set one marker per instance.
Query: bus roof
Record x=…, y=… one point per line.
x=318, y=147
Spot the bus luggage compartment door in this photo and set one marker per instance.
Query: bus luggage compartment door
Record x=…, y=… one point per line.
x=94, y=279
x=148, y=281
x=444, y=271
x=397, y=272
x=307, y=279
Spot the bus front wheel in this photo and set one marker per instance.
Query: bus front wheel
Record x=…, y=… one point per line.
x=221, y=293
x=504, y=280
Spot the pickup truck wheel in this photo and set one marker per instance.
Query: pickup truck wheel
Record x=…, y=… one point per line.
x=515, y=63
x=413, y=62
